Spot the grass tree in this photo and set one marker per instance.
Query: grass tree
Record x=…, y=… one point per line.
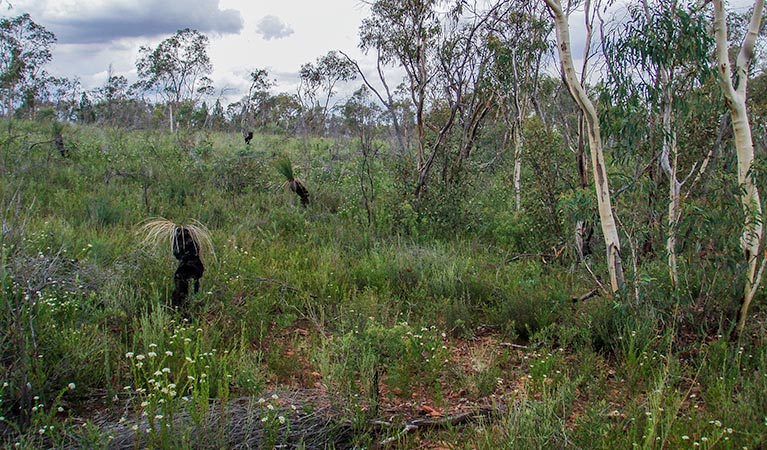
x=158, y=230
x=607, y=220
x=733, y=81
x=285, y=167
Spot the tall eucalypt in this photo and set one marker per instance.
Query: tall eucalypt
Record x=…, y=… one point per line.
x=733, y=81
x=599, y=167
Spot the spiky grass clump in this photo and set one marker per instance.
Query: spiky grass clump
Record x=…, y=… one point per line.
x=285, y=167
x=158, y=230
x=56, y=128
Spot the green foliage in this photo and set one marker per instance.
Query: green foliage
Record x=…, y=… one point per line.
x=524, y=306
x=25, y=51
x=551, y=174
x=318, y=297
x=658, y=39
x=285, y=167
x=402, y=356
x=240, y=174
x=512, y=230
x=103, y=212
x=731, y=378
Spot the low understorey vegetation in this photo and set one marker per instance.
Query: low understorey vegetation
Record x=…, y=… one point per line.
x=357, y=319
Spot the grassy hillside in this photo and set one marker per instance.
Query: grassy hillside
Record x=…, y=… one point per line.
x=331, y=326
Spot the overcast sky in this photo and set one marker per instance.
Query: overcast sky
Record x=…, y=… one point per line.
x=244, y=35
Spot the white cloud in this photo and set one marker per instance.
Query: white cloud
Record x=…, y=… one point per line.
x=271, y=27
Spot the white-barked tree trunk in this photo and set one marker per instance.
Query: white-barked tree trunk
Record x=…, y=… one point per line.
x=733, y=82
x=609, y=229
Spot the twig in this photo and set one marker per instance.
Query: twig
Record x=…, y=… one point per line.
x=511, y=344
x=281, y=284
x=758, y=278
x=593, y=275
x=50, y=141
x=441, y=422
x=634, y=258
x=592, y=293
x=133, y=175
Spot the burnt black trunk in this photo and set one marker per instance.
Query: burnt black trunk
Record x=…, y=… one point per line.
x=190, y=268
x=300, y=190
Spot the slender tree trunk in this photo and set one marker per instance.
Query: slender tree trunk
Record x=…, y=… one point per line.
x=609, y=228
x=581, y=227
x=734, y=89
x=388, y=102
x=669, y=164
x=517, y=133
x=534, y=94
x=435, y=148
x=516, y=138
x=419, y=102
x=170, y=114
x=581, y=233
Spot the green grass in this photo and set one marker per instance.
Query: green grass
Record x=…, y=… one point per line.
x=429, y=304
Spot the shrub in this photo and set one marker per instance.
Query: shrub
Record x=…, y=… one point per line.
x=409, y=357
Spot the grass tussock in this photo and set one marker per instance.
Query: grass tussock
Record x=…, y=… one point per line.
x=160, y=231
x=371, y=333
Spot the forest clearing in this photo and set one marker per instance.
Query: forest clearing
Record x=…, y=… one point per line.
x=488, y=257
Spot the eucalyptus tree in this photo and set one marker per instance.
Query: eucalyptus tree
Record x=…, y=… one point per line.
x=463, y=92
x=257, y=98
x=318, y=83
x=284, y=112
x=281, y=113
x=110, y=97
x=361, y=117
x=177, y=69
x=217, y=120
x=386, y=97
x=520, y=45
x=25, y=49
x=86, y=113
x=733, y=81
x=656, y=56
x=63, y=94
x=607, y=220
x=404, y=33
x=583, y=228
x=442, y=49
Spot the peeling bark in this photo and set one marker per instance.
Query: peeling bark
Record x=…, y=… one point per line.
x=607, y=220
x=734, y=89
